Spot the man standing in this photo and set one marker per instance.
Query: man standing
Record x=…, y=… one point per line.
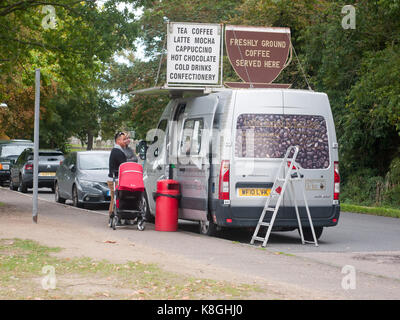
x=117, y=156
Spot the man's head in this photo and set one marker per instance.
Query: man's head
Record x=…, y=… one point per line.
x=120, y=138
x=127, y=140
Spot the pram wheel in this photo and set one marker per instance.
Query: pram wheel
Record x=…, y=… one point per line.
x=114, y=222
x=141, y=225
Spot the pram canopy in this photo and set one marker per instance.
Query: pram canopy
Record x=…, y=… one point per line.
x=130, y=177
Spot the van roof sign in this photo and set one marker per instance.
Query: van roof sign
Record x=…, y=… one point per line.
x=257, y=54
x=194, y=53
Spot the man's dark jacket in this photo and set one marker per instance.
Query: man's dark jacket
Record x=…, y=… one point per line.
x=117, y=156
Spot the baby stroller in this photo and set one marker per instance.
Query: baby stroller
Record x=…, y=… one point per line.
x=129, y=199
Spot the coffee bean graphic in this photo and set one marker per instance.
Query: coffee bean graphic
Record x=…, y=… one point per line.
x=273, y=134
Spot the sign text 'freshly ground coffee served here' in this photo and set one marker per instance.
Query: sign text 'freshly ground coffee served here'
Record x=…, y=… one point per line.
x=257, y=54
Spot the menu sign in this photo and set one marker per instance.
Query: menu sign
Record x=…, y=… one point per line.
x=193, y=53
x=257, y=54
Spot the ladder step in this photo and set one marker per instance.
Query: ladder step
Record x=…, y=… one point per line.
x=259, y=239
x=307, y=241
x=270, y=209
x=265, y=224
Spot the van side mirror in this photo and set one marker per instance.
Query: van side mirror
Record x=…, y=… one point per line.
x=142, y=149
x=72, y=168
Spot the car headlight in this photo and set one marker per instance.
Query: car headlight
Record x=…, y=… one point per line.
x=87, y=183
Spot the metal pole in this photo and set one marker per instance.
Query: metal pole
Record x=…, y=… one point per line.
x=36, y=147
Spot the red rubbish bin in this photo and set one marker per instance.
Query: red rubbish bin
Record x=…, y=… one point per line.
x=167, y=201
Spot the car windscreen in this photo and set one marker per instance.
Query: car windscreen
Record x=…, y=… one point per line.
x=12, y=149
x=270, y=135
x=94, y=161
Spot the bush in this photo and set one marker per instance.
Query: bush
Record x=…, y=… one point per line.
x=364, y=187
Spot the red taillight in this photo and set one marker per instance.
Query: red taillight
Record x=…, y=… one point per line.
x=224, y=181
x=336, y=188
x=29, y=167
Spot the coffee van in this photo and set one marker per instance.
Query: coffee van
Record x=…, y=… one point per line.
x=225, y=148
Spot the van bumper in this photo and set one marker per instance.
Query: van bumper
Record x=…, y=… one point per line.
x=227, y=216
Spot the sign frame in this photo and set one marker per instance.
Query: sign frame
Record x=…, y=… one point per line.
x=221, y=56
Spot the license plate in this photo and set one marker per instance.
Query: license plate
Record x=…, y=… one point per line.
x=108, y=193
x=254, y=192
x=6, y=167
x=47, y=174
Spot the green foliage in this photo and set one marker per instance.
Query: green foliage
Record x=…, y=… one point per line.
x=71, y=56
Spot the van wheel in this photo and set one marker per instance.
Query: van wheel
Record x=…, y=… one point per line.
x=307, y=233
x=208, y=228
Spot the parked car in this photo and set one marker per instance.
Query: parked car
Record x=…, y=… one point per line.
x=9, y=152
x=226, y=147
x=82, y=178
x=22, y=171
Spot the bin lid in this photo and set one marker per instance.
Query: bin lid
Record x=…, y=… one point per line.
x=168, y=186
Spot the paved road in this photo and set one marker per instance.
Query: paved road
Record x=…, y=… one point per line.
x=368, y=243
x=354, y=233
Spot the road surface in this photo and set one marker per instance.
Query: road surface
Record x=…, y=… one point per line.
x=368, y=245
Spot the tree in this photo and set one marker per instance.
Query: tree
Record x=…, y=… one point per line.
x=71, y=58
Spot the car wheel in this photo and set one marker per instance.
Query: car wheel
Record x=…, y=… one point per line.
x=57, y=194
x=22, y=186
x=307, y=233
x=75, y=198
x=12, y=187
x=208, y=228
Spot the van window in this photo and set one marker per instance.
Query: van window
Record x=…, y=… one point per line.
x=191, y=137
x=163, y=125
x=269, y=136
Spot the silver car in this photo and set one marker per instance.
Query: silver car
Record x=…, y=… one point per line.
x=82, y=177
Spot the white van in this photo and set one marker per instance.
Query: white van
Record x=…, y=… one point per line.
x=226, y=147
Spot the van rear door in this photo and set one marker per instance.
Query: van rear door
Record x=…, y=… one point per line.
x=310, y=125
x=257, y=121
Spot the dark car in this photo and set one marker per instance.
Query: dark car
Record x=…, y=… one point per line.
x=22, y=171
x=9, y=152
x=82, y=177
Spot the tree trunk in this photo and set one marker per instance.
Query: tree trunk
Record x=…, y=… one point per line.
x=90, y=141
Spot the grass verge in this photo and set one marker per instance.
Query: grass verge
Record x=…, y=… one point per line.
x=378, y=211
x=22, y=276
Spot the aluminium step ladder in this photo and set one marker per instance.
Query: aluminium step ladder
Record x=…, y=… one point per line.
x=278, y=189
